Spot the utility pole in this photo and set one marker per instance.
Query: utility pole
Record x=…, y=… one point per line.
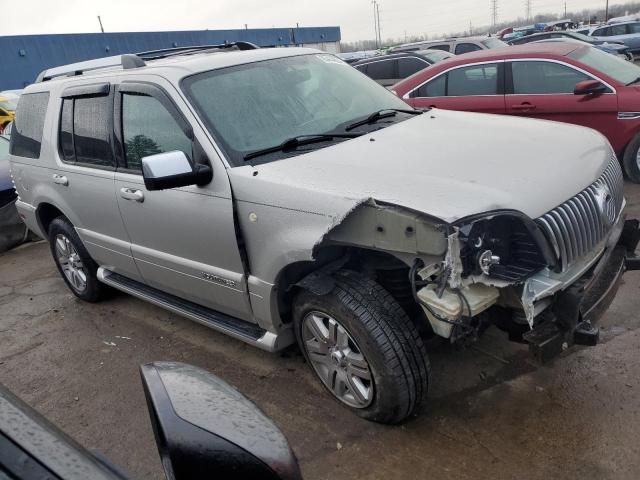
x=527, y=5
x=100, y=22
x=379, y=29
x=565, y=9
x=606, y=12
x=470, y=28
x=375, y=21
x=494, y=13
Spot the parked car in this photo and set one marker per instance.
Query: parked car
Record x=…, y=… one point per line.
x=8, y=104
x=280, y=196
x=203, y=428
x=13, y=231
x=614, y=48
x=628, y=33
x=389, y=69
x=563, y=81
x=452, y=45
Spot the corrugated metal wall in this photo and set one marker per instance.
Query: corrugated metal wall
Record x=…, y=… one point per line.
x=23, y=57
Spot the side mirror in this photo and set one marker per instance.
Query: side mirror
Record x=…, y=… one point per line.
x=589, y=87
x=206, y=428
x=172, y=170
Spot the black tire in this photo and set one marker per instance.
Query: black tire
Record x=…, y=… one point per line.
x=630, y=160
x=94, y=290
x=384, y=334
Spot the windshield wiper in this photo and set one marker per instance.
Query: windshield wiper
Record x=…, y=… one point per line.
x=300, y=140
x=633, y=81
x=380, y=114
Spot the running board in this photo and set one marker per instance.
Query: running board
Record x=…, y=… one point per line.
x=234, y=327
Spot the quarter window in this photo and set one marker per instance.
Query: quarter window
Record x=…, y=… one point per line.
x=26, y=135
x=148, y=128
x=544, y=78
x=466, y=48
x=443, y=46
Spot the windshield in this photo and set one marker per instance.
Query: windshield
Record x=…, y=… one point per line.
x=493, y=43
x=617, y=68
x=257, y=105
x=580, y=36
x=435, y=55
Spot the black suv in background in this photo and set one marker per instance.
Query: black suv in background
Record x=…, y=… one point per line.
x=389, y=69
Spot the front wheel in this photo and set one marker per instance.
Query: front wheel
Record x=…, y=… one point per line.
x=631, y=160
x=364, y=348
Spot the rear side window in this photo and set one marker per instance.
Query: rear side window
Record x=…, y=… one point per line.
x=443, y=46
x=435, y=88
x=466, y=48
x=149, y=128
x=410, y=65
x=84, y=132
x=475, y=80
x=382, y=70
x=634, y=27
x=26, y=136
x=618, y=30
x=602, y=32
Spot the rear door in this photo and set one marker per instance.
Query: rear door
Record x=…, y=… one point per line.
x=84, y=175
x=539, y=88
x=183, y=239
x=473, y=88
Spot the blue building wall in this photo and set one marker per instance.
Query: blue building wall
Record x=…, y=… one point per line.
x=23, y=57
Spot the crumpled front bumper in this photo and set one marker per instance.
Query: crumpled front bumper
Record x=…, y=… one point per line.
x=575, y=310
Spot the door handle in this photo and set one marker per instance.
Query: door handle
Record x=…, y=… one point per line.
x=523, y=107
x=60, y=179
x=132, y=194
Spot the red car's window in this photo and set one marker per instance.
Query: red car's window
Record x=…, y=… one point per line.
x=544, y=78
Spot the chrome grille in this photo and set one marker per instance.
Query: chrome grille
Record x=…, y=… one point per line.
x=578, y=225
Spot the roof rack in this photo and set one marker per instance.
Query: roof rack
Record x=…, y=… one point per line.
x=168, y=52
x=126, y=61
x=133, y=60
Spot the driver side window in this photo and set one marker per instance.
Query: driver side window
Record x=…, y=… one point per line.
x=148, y=129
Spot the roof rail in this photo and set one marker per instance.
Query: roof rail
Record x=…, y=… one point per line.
x=168, y=52
x=126, y=61
x=131, y=60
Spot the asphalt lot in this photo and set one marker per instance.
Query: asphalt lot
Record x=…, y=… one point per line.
x=491, y=414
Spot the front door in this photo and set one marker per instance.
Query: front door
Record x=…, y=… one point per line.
x=544, y=89
x=183, y=239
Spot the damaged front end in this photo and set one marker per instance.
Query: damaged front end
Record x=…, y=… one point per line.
x=500, y=269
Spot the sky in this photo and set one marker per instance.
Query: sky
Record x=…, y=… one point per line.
x=355, y=17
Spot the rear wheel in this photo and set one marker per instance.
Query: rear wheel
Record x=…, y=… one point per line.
x=631, y=160
x=74, y=262
x=364, y=348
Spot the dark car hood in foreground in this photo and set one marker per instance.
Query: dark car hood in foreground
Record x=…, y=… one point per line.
x=445, y=164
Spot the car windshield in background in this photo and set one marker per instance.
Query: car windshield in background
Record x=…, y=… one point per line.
x=580, y=36
x=258, y=105
x=493, y=43
x=435, y=55
x=621, y=70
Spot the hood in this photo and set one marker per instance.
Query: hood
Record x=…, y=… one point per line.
x=443, y=163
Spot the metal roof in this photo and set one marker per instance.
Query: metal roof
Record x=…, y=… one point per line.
x=23, y=57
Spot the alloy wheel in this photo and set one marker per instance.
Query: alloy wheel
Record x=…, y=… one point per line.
x=337, y=360
x=71, y=263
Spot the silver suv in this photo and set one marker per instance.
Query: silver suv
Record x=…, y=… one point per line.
x=280, y=196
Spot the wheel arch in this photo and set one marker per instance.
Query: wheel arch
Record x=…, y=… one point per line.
x=45, y=214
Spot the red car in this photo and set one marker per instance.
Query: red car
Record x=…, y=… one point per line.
x=563, y=81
